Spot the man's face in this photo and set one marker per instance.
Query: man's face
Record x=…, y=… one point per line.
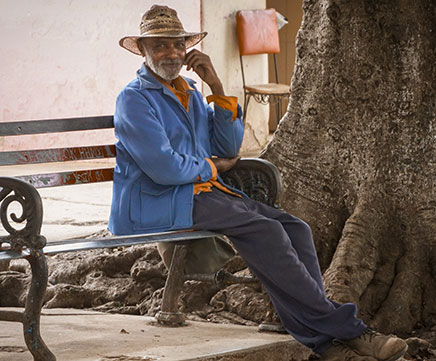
x=164, y=56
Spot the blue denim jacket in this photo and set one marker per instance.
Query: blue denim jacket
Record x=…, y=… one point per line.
x=161, y=152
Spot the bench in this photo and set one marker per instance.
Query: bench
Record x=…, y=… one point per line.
x=256, y=177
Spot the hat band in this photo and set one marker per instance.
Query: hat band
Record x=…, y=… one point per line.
x=164, y=32
x=161, y=25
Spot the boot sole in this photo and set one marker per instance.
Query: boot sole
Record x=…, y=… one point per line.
x=397, y=355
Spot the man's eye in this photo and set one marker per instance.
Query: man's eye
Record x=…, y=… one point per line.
x=181, y=45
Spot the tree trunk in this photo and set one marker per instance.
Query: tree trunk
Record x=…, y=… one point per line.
x=357, y=153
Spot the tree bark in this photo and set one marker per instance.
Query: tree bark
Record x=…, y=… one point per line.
x=357, y=152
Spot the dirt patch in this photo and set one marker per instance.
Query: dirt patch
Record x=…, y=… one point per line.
x=17, y=349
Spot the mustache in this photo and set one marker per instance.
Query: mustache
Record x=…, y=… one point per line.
x=171, y=62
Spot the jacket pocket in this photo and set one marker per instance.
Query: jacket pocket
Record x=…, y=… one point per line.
x=151, y=205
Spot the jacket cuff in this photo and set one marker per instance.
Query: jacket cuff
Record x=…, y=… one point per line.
x=213, y=167
x=225, y=102
x=208, y=174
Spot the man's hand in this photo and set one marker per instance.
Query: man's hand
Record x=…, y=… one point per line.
x=224, y=164
x=202, y=65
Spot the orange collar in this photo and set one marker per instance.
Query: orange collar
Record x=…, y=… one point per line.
x=179, y=87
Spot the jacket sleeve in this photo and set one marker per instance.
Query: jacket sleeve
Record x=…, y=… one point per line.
x=144, y=137
x=225, y=132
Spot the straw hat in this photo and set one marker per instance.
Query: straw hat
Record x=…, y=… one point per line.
x=160, y=21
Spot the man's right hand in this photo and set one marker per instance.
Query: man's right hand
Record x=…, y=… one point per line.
x=225, y=164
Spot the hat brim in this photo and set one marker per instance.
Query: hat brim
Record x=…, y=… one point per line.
x=130, y=42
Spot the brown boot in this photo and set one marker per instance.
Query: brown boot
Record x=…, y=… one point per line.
x=381, y=347
x=340, y=352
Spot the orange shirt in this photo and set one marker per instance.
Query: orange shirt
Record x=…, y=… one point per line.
x=180, y=87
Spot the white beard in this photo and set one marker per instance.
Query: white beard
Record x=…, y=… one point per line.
x=158, y=69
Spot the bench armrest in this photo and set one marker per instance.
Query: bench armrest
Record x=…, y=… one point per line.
x=26, y=227
x=258, y=178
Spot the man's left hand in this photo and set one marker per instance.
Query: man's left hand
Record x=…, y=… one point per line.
x=225, y=164
x=202, y=65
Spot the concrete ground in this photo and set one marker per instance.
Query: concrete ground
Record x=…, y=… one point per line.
x=78, y=335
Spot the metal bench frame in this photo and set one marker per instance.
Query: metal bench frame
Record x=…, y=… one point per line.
x=258, y=178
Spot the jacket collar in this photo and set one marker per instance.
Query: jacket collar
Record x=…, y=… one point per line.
x=148, y=81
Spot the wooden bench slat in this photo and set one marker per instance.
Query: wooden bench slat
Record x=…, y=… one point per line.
x=56, y=125
x=57, y=155
x=69, y=178
x=83, y=244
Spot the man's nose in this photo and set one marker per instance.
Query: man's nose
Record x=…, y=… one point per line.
x=174, y=53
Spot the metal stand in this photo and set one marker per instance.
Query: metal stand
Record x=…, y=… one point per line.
x=29, y=240
x=169, y=315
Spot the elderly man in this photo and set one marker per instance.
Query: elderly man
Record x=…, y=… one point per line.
x=171, y=147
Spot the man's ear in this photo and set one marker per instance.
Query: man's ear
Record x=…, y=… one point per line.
x=140, y=45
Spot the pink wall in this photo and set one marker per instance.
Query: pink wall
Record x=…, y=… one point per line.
x=61, y=59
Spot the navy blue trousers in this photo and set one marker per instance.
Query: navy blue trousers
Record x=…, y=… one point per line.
x=279, y=249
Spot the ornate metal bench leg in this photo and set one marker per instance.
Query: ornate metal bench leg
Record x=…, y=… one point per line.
x=169, y=315
x=16, y=191
x=32, y=312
